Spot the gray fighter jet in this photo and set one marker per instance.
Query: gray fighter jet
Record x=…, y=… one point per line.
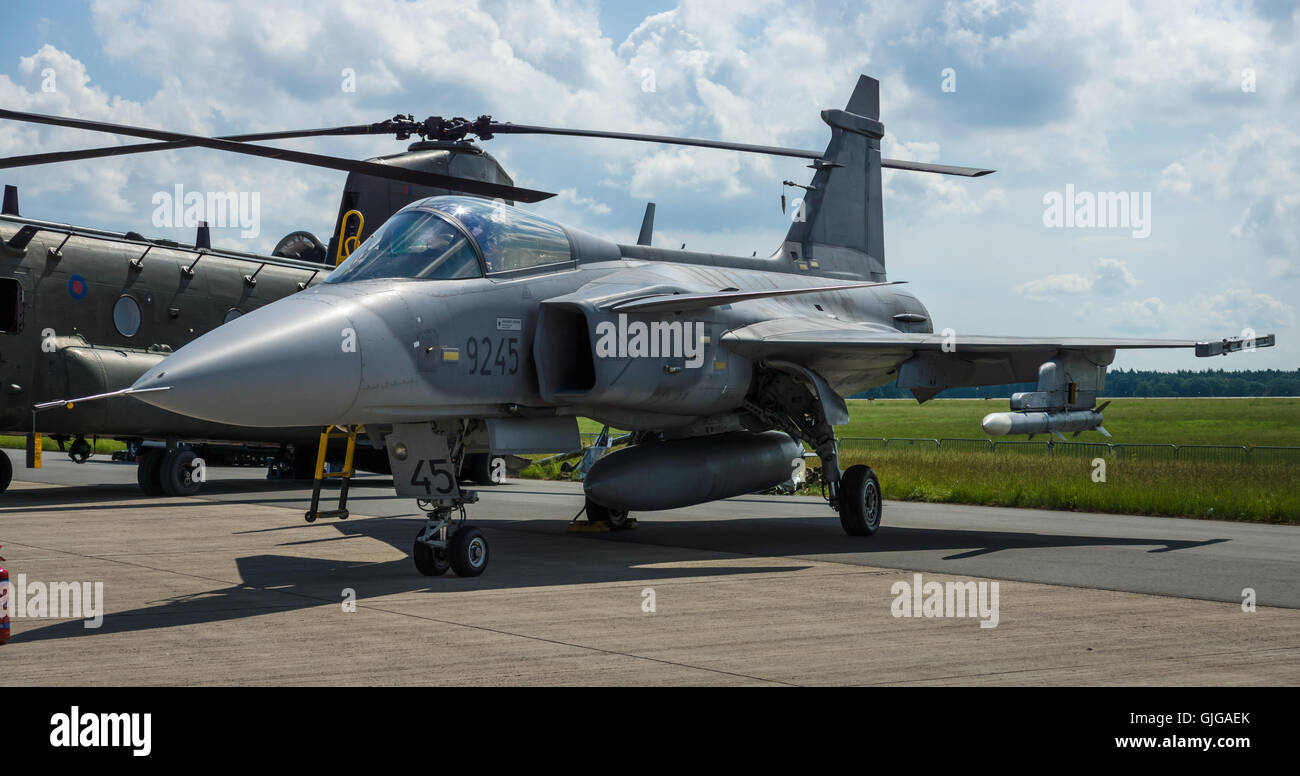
x=465, y=324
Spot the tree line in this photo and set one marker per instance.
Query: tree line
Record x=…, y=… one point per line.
x=1140, y=383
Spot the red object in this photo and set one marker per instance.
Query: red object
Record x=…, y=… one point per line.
x=4, y=613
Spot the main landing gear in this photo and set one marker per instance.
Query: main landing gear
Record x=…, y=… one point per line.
x=859, y=501
x=797, y=401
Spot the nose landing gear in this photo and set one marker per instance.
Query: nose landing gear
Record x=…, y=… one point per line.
x=438, y=546
x=424, y=468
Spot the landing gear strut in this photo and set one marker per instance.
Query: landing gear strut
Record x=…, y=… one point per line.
x=797, y=401
x=80, y=451
x=439, y=547
x=424, y=468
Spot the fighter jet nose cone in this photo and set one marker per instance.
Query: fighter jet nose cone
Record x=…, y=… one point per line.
x=291, y=363
x=996, y=424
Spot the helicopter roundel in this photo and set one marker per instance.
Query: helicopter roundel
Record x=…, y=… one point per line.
x=77, y=287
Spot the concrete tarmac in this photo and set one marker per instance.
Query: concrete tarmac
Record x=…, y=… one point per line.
x=233, y=587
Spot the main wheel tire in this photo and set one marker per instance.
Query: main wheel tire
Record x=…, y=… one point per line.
x=6, y=472
x=429, y=561
x=860, y=503
x=146, y=472
x=176, y=473
x=480, y=469
x=468, y=551
x=599, y=513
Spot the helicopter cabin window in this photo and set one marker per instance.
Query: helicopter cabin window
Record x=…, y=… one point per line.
x=11, y=306
x=510, y=239
x=414, y=244
x=126, y=316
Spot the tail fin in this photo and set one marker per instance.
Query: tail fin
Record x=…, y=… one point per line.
x=838, y=230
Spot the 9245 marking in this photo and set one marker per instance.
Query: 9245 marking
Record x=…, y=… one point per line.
x=484, y=361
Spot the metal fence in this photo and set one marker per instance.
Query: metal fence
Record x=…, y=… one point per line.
x=1135, y=452
x=1053, y=447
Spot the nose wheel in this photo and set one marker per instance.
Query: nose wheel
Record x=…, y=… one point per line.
x=468, y=551
x=429, y=561
x=439, y=547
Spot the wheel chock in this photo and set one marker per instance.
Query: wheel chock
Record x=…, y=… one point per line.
x=585, y=526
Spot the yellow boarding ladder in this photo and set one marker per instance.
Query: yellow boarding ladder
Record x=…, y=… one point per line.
x=348, y=243
x=333, y=432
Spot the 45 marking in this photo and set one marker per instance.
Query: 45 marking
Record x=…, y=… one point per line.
x=438, y=468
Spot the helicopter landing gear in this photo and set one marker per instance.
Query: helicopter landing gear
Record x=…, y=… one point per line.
x=439, y=547
x=168, y=472
x=177, y=475
x=146, y=471
x=6, y=472
x=80, y=450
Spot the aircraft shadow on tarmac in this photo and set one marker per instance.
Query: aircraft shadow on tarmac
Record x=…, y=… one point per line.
x=281, y=583
x=776, y=536
x=525, y=555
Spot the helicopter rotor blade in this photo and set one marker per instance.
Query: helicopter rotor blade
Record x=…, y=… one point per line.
x=526, y=129
x=941, y=169
x=495, y=128
x=53, y=157
x=392, y=172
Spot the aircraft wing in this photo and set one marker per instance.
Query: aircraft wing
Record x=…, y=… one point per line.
x=851, y=354
x=680, y=302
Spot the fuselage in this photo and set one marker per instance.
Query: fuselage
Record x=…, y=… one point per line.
x=527, y=340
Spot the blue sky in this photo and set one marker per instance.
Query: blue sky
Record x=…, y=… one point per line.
x=1192, y=104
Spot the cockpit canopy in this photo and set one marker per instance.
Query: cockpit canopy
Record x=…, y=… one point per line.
x=449, y=237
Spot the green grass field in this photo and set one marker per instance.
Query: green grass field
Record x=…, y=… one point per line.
x=50, y=446
x=1229, y=491
x=1268, y=493
x=1135, y=421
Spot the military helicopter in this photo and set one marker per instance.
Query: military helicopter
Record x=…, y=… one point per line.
x=87, y=311
x=464, y=325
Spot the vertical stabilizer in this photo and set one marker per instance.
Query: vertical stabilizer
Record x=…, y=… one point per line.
x=838, y=229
